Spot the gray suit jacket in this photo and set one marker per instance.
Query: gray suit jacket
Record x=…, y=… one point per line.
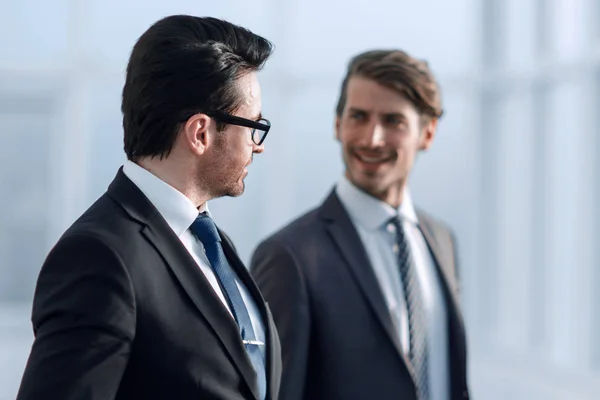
x=337, y=336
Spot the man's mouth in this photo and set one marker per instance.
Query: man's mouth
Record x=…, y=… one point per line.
x=374, y=159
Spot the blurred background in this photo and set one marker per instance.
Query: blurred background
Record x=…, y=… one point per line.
x=515, y=168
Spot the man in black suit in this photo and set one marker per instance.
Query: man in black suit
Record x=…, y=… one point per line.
x=364, y=288
x=143, y=297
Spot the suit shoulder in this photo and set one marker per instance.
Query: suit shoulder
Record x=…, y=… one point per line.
x=103, y=221
x=434, y=222
x=304, y=226
x=442, y=232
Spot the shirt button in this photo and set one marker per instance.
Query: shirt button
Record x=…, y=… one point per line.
x=395, y=248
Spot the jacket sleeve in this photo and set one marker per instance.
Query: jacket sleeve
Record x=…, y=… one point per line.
x=84, y=322
x=277, y=274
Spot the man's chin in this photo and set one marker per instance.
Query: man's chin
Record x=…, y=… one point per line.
x=237, y=190
x=368, y=185
x=231, y=190
x=365, y=181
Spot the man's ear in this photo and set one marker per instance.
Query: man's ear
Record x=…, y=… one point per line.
x=428, y=132
x=196, y=133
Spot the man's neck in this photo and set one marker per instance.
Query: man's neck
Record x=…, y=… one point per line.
x=175, y=177
x=393, y=195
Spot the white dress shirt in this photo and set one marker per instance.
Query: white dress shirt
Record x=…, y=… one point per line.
x=180, y=213
x=371, y=218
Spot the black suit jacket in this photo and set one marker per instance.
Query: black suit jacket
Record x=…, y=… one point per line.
x=122, y=311
x=337, y=336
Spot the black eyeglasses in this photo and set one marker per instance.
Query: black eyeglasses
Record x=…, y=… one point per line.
x=260, y=128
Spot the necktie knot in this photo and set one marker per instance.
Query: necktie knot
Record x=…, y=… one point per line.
x=394, y=225
x=205, y=229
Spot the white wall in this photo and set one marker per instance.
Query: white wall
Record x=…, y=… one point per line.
x=513, y=168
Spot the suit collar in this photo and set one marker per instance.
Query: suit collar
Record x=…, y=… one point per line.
x=131, y=198
x=158, y=232
x=446, y=273
x=333, y=211
x=446, y=268
x=345, y=237
x=176, y=208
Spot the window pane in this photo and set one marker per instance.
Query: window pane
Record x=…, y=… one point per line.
x=24, y=197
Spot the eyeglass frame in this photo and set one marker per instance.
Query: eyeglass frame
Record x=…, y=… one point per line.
x=247, y=123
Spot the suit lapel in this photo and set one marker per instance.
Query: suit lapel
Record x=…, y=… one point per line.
x=241, y=271
x=444, y=272
x=345, y=236
x=274, y=352
x=272, y=340
x=186, y=271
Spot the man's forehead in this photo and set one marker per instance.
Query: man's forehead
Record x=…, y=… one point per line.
x=363, y=87
x=370, y=96
x=383, y=108
x=249, y=89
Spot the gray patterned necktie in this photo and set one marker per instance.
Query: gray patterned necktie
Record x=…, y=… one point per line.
x=417, y=318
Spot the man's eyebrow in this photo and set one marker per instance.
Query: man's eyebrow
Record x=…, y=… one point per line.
x=354, y=109
x=395, y=114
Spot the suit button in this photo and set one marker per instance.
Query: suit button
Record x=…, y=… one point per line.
x=466, y=394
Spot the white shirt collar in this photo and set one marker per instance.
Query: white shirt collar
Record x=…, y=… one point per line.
x=370, y=212
x=174, y=206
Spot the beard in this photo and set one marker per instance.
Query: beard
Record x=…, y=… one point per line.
x=234, y=188
x=224, y=177
x=222, y=180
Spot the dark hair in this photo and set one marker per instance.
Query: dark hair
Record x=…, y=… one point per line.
x=398, y=71
x=180, y=66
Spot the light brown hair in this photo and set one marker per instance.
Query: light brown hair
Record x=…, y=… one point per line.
x=400, y=72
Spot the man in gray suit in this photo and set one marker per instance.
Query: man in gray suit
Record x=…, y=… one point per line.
x=364, y=288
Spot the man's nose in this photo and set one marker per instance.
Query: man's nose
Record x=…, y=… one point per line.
x=376, y=136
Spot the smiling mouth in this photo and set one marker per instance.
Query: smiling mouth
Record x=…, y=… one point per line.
x=373, y=159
